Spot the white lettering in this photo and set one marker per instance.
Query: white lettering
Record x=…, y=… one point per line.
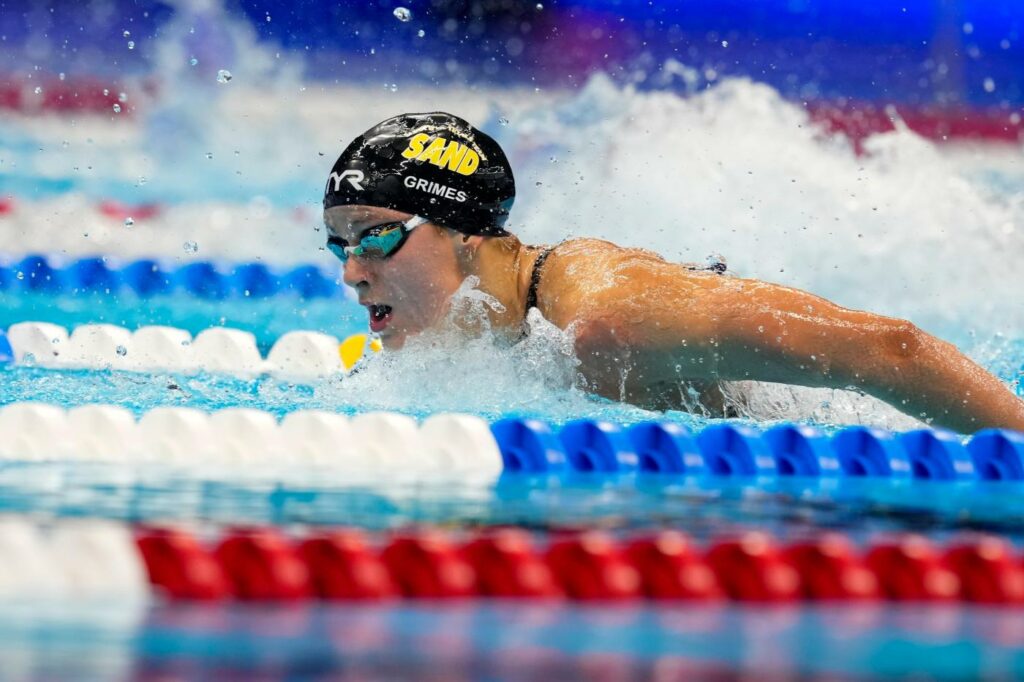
x=354, y=177
x=412, y=182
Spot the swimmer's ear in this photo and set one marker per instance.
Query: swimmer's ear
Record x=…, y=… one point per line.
x=467, y=246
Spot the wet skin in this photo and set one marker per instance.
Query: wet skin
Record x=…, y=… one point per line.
x=644, y=327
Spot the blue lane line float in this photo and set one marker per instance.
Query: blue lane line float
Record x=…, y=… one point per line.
x=998, y=455
x=870, y=452
x=801, y=450
x=309, y=281
x=254, y=280
x=735, y=450
x=666, y=448
x=33, y=273
x=148, y=277
x=202, y=280
x=598, y=447
x=89, y=274
x=937, y=455
x=529, y=446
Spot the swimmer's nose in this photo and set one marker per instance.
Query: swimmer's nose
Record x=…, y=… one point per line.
x=355, y=272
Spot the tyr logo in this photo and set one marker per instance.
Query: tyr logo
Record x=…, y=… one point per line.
x=354, y=177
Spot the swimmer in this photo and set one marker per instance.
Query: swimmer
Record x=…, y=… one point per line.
x=419, y=203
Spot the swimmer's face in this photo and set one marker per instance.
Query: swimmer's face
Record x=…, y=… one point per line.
x=408, y=291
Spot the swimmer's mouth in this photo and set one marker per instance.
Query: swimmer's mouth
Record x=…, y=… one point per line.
x=380, y=315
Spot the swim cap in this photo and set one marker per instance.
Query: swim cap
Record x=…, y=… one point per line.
x=434, y=165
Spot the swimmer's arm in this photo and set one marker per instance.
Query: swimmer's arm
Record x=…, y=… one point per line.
x=657, y=324
x=773, y=333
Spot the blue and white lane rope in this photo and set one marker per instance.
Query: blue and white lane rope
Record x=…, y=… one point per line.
x=382, y=445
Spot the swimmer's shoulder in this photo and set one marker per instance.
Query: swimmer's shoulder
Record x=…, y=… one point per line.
x=577, y=270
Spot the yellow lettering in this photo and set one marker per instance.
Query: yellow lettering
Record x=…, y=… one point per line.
x=453, y=155
x=415, y=145
x=469, y=163
x=433, y=152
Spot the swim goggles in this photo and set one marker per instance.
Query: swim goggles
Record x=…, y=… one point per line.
x=379, y=241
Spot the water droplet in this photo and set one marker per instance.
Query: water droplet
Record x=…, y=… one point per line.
x=117, y=108
x=38, y=90
x=129, y=221
x=190, y=246
x=65, y=144
x=268, y=18
x=126, y=34
x=122, y=97
x=223, y=76
x=121, y=350
x=106, y=92
x=990, y=85
x=20, y=275
x=503, y=121
x=402, y=14
x=61, y=75
x=760, y=328
x=538, y=183
x=28, y=358
x=725, y=43
x=143, y=180
x=393, y=87
x=554, y=159
x=420, y=33
x=715, y=263
x=193, y=61
x=540, y=6
x=131, y=44
x=209, y=155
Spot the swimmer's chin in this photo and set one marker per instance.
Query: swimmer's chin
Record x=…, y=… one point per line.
x=391, y=340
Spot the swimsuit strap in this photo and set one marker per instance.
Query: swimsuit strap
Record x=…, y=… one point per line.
x=531, y=296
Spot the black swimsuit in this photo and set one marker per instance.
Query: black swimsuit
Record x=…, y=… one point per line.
x=531, y=295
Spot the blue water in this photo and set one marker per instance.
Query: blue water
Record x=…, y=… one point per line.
x=509, y=641
x=706, y=507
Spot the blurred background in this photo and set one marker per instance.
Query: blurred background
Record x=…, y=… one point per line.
x=866, y=151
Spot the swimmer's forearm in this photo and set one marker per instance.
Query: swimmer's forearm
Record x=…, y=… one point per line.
x=938, y=383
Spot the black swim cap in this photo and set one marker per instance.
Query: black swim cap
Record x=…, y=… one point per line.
x=434, y=165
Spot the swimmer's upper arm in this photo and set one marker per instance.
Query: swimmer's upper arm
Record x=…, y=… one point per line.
x=714, y=327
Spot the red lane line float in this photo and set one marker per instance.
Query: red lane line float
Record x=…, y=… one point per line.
x=181, y=567
x=263, y=565
x=427, y=565
x=347, y=564
x=988, y=571
x=508, y=565
x=120, y=211
x=751, y=568
x=671, y=568
x=342, y=565
x=910, y=568
x=830, y=569
x=591, y=566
